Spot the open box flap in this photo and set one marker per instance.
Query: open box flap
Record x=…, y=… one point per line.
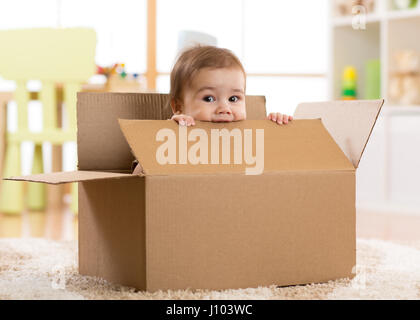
x=350, y=123
x=71, y=176
x=300, y=145
x=100, y=143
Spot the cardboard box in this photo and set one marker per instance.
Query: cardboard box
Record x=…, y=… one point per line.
x=209, y=226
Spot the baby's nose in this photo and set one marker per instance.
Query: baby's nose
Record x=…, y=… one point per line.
x=223, y=109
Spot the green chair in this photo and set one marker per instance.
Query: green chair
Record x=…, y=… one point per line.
x=53, y=56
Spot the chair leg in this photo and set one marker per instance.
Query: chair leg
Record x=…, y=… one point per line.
x=74, y=198
x=36, y=191
x=70, y=102
x=12, y=192
x=11, y=196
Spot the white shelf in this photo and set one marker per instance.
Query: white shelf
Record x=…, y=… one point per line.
x=394, y=110
x=402, y=14
x=389, y=176
x=348, y=21
x=387, y=31
x=389, y=106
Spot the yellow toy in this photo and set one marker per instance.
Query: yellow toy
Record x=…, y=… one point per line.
x=349, y=83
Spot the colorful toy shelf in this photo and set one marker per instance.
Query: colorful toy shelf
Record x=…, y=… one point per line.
x=387, y=31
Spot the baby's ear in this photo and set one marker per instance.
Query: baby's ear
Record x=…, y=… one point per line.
x=175, y=105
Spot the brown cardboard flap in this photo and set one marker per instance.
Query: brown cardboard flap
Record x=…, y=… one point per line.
x=300, y=145
x=71, y=176
x=255, y=107
x=350, y=123
x=100, y=143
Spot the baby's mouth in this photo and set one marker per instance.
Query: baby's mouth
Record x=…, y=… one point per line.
x=223, y=118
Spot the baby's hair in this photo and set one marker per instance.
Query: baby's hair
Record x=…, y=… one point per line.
x=193, y=59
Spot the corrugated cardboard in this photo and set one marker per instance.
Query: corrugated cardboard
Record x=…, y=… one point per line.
x=213, y=227
x=237, y=231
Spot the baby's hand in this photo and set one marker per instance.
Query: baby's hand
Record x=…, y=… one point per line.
x=183, y=120
x=279, y=118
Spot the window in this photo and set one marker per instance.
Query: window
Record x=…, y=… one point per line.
x=120, y=29
x=17, y=14
x=220, y=18
x=120, y=25
x=283, y=45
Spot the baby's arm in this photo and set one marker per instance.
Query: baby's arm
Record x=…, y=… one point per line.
x=279, y=118
x=183, y=120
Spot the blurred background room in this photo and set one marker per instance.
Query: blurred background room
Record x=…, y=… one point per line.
x=293, y=51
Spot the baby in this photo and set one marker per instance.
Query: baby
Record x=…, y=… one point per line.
x=208, y=84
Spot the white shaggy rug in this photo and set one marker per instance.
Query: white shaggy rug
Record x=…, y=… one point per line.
x=42, y=269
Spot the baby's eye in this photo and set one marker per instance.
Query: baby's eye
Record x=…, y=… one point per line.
x=209, y=99
x=234, y=99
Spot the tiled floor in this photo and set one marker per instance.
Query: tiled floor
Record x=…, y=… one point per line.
x=63, y=226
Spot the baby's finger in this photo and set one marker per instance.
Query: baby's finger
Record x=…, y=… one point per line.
x=273, y=117
x=285, y=118
x=279, y=118
x=189, y=121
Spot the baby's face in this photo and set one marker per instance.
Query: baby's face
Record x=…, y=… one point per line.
x=216, y=95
